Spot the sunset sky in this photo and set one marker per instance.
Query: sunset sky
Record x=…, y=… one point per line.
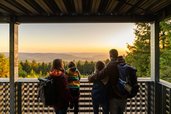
x=72, y=37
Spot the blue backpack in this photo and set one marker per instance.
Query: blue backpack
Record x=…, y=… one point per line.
x=127, y=83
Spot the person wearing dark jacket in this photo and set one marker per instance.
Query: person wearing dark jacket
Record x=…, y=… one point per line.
x=116, y=102
x=61, y=91
x=73, y=75
x=99, y=94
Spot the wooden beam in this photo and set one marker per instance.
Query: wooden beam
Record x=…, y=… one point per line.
x=164, y=13
x=13, y=64
x=61, y=6
x=112, y=6
x=82, y=19
x=12, y=7
x=95, y=6
x=27, y=6
x=44, y=6
x=78, y=6
x=7, y=9
x=20, y=7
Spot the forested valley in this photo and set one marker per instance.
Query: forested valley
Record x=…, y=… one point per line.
x=138, y=55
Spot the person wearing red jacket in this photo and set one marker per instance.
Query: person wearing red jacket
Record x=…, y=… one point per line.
x=60, y=87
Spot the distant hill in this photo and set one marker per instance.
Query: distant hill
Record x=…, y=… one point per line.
x=48, y=57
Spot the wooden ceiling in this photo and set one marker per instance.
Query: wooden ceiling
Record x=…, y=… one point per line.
x=35, y=11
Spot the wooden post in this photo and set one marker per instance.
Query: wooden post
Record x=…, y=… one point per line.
x=13, y=63
x=155, y=51
x=155, y=65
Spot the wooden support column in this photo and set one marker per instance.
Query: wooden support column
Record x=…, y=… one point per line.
x=155, y=53
x=13, y=64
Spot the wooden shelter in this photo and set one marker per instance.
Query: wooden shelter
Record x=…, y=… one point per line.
x=15, y=12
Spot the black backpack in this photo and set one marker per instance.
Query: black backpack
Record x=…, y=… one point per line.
x=46, y=92
x=127, y=83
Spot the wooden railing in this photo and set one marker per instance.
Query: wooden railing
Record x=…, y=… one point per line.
x=27, y=100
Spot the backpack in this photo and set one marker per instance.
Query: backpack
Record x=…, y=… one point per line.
x=127, y=83
x=46, y=92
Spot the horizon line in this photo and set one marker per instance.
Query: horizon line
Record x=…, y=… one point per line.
x=57, y=52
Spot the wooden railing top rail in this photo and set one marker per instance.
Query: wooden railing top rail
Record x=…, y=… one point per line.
x=4, y=79
x=165, y=83
x=82, y=79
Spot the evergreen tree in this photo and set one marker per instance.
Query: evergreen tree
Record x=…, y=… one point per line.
x=34, y=66
x=27, y=66
x=165, y=50
x=80, y=66
x=139, y=53
x=21, y=72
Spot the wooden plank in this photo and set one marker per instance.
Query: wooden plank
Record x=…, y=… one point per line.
x=78, y=6
x=112, y=5
x=61, y=6
x=95, y=6
x=44, y=6
x=27, y=6
x=12, y=7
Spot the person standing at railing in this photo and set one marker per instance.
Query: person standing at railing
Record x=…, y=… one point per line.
x=60, y=82
x=73, y=75
x=99, y=93
x=116, y=102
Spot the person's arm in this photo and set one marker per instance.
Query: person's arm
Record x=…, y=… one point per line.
x=91, y=78
x=97, y=75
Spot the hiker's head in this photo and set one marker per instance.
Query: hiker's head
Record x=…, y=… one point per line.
x=71, y=64
x=58, y=64
x=113, y=54
x=120, y=59
x=99, y=65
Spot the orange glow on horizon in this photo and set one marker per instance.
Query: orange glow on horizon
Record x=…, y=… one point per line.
x=70, y=38
x=122, y=51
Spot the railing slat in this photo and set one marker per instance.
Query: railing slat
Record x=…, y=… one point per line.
x=29, y=104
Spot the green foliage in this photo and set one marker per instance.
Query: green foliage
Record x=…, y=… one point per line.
x=4, y=66
x=85, y=67
x=33, y=69
x=84, y=76
x=165, y=35
x=139, y=53
x=165, y=50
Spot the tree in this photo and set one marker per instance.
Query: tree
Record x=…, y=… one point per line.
x=165, y=34
x=34, y=66
x=165, y=50
x=21, y=72
x=26, y=66
x=139, y=53
x=4, y=66
x=80, y=66
x=33, y=74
